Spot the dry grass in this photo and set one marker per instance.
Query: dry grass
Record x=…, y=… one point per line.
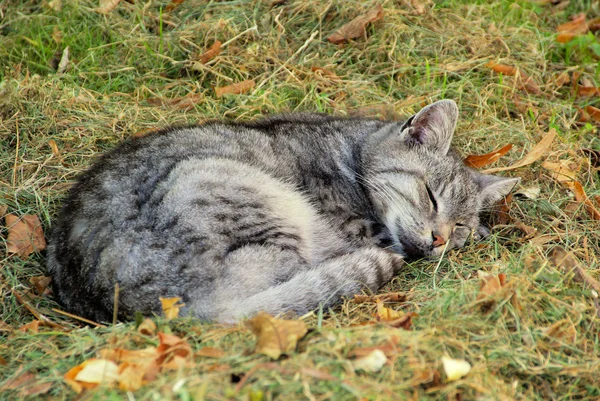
x=121, y=61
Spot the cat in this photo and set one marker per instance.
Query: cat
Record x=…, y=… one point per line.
x=283, y=214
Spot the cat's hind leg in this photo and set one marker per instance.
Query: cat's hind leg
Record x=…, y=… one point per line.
x=323, y=284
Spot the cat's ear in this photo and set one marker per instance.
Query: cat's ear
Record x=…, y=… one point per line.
x=433, y=126
x=492, y=188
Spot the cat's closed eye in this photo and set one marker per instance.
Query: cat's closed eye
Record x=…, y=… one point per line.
x=431, y=198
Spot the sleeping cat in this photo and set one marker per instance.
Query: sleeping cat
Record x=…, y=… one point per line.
x=283, y=214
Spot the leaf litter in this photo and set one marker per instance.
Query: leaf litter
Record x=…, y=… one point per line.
x=356, y=28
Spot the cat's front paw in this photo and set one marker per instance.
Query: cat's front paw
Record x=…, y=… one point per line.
x=481, y=233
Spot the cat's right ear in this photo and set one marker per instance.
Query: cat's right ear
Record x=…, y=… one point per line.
x=432, y=127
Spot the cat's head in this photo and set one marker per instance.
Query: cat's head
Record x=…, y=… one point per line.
x=424, y=194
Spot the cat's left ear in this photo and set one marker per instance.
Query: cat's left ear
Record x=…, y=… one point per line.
x=493, y=188
x=433, y=126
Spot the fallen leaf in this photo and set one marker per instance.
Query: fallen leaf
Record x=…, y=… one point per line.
x=527, y=230
x=235, y=89
x=562, y=79
x=27, y=385
x=210, y=352
x=593, y=112
x=561, y=332
x=211, y=53
x=562, y=170
x=524, y=81
x=40, y=284
x=594, y=25
x=582, y=198
x=147, y=327
x=64, y=61
x=3, y=210
x=94, y=370
x=33, y=326
x=370, y=363
x=489, y=284
x=571, y=29
x=174, y=352
x=536, y=152
x=172, y=5
x=55, y=5
x=389, y=348
x=588, y=91
x=106, y=6
x=171, y=306
x=322, y=72
x=131, y=377
x=567, y=262
x=529, y=192
x=455, y=369
x=357, y=27
x=419, y=6
x=478, y=161
x=275, y=336
x=385, y=314
x=387, y=297
x=25, y=235
x=592, y=154
x=57, y=35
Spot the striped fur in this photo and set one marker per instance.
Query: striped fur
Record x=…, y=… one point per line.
x=281, y=214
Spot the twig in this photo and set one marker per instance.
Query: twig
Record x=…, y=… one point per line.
x=116, y=304
x=72, y=316
x=35, y=313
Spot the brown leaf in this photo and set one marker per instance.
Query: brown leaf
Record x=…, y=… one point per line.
x=357, y=27
x=211, y=53
x=27, y=385
x=172, y=5
x=489, y=284
x=566, y=261
x=275, y=336
x=582, y=198
x=40, y=284
x=594, y=25
x=562, y=170
x=106, y=6
x=3, y=210
x=561, y=332
x=593, y=155
x=588, y=91
x=235, y=89
x=55, y=5
x=593, y=112
x=527, y=230
x=147, y=327
x=536, y=152
x=562, y=79
x=174, y=352
x=389, y=348
x=387, y=297
x=569, y=30
x=185, y=103
x=477, y=161
x=502, y=68
x=322, y=72
x=210, y=352
x=33, y=326
x=171, y=306
x=524, y=81
x=25, y=235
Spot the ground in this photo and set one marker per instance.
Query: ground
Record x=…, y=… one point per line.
x=531, y=332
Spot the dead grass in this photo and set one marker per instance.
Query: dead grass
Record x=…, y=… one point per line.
x=537, y=340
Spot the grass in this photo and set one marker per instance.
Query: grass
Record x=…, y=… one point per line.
x=137, y=52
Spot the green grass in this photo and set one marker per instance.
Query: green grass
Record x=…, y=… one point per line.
x=120, y=60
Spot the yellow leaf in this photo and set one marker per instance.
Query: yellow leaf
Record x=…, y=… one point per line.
x=563, y=170
x=96, y=371
x=170, y=307
x=385, y=314
x=536, y=152
x=275, y=336
x=370, y=363
x=147, y=327
x=455, y=368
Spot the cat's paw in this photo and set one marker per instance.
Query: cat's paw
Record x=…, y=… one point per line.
x=481, y=233
x=397, y=261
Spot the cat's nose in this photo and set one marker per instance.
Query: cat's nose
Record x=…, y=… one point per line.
x=438, y=240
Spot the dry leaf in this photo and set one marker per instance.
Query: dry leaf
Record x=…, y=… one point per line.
x=26, y=384
x=322, y=72
x=147, y=327
x=567, y=262
x=529, y=192
x=594, y=25
x=185, y=103
x=561, y=332
x=211, y=53
x=3, y=210
x=171, y=306
x=357, y=27
x=171, y=6
x=370, y=363
x=477, y=161
x=64, y=61
x=489, y=284
x=571, y=29
x=455, y=369
x=588, y=91
x=562, y=79
x=55, y=5
x=25, y=235
x=174, y=351
x=593, y=112
x=527, y=230
x=106, y=6
x=99, y=370
x=131, y=377
x=33, y=326
x=385, y=314
x=563, y=170
x=387, y=297
x=40, y=284
x=210, y=352
x=235, y=89
x=536, y=152
x=582, y=198
x=524, y=81
x=275, y=336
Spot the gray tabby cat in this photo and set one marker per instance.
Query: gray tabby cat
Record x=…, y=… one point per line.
x=283, y=214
